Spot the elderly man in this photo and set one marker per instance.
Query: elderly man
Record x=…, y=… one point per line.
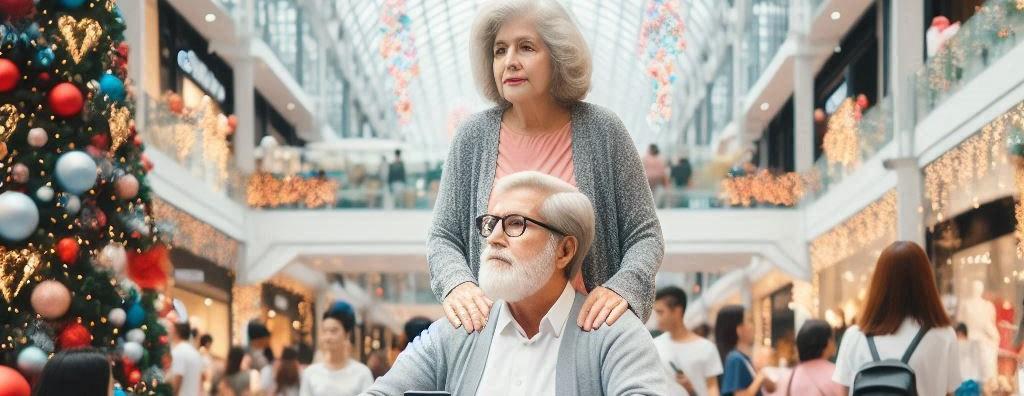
x=537, y=232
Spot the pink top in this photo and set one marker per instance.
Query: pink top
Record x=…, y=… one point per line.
x=813, y=378
x=549, y=153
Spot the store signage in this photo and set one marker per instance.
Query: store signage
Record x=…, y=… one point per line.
x=189, y=63
x=189, y=275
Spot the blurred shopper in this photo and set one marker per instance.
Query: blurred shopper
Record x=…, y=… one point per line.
x=239, y=378
x=338, y=374
x=286, y=374
x=903, y=305
x=734, y=336
x=813, y=375
x=75, y=372
x=657, y=170
x=692, y=362
x=378, y=363
x=970, y=362
x=415, y=326
x=260, y=356
x=186, y=373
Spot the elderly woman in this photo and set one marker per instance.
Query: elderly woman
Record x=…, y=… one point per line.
x=530, y=59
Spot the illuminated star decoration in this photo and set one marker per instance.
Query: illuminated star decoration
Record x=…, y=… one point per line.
x=661, y=41
x=398, y=48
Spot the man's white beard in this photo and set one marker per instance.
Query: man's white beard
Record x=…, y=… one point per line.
x=519, y=279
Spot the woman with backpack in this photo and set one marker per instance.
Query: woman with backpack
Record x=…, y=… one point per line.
x=903, y=334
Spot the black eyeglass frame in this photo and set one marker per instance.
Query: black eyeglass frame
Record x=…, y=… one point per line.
x=480, y=225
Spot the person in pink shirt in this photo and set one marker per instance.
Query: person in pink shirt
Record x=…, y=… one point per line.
x=813, y=376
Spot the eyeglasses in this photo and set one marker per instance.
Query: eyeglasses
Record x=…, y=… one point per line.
x=514, y=225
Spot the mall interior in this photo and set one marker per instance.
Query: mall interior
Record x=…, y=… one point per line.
x=295, y=150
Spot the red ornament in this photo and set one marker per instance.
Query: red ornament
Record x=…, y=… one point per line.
x=163, y=340
x=67, y=250
x=149, y=269
x=66, y=100
x=232, y=122
x=862, y=101
x=16, y=8
x=134, y=377
x=11, y=381
x=9, y=74
x=147, y=164
x=122, y=49
x=175, y=103
x=44, y=76
x=137, y=141
x=74, y=336
x=101, y=141
x=127, y=366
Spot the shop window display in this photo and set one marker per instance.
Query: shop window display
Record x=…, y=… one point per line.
x=977, y=267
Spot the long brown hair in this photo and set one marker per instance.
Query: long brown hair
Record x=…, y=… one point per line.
x=288, y=370
x=903, y=286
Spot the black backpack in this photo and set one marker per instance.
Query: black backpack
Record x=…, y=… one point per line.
x=888, y=377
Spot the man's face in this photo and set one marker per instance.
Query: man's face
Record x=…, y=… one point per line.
x=514, y=268
x=667, y=316
x=332, y=334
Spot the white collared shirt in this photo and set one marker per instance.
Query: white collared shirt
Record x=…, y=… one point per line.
x=517, y=365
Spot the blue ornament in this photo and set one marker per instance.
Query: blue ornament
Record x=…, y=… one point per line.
x=112, y=86
x=32, y=30
x=19, y=216
x=71, y=4
x=119, y=392
x=76, y=172
x=405, y=20
x=45, y=57
x=135, y=316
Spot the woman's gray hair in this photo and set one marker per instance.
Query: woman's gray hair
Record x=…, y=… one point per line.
x=570, y=57
x=565, y=208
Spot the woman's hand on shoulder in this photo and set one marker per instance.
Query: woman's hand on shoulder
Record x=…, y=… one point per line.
x=467, y=306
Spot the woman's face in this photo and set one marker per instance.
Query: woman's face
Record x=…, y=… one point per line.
x=522, y=63
x=745, y=331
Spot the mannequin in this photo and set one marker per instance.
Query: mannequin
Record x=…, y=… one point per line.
x=980, y=317
x=937, y=34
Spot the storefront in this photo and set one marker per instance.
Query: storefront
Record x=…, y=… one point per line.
x=283, y=304
x=973, y=240
x=204, y=261
x=186, y=64
x=774, y=318
x=843, y=258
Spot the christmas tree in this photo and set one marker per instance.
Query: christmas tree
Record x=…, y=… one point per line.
x=80, y=259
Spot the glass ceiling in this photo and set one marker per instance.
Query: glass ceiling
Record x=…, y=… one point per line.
x=444, y=85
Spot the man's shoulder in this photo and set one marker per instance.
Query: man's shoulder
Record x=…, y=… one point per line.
x=626, y=328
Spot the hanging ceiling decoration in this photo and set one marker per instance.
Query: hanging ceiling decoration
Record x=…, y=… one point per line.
x=661, y=42
x=398, y=48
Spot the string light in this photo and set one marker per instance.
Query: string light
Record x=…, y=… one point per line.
x=196, y=236
x=875, y=222
x=786, y=189
x=16, y=268
x=841, y=143
x=265, y=190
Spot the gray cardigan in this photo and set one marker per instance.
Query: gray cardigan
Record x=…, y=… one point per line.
x=614, y=360
x=628, y=246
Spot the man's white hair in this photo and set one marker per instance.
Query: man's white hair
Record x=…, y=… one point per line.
x=571, y=63
x=564, y=208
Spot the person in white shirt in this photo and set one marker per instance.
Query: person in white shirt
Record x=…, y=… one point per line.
x=692, y=362
x=902, y=301
x=186, y=373
x=338, y=374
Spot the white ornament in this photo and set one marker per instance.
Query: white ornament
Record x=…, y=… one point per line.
x=37, y=137
x=136, y=335
x=117, y=316
x=44, y=193
x=113, y=257
x=133, y=351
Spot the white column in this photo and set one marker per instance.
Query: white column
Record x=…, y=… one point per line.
x=905, y=58
x=739, y=75
x=242, y=64
x=134, y=13
x=245, y=110
x=803, y=88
